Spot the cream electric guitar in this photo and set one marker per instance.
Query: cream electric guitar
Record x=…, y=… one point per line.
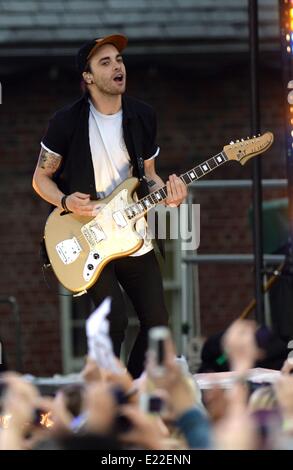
x=79, y=247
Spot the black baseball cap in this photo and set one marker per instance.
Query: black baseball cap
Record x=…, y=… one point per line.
x=87, y=50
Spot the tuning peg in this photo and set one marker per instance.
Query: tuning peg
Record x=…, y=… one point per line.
x=237, y=141
x=254, y=136
x=248, y=138
x=242, y=140
x=258, y=135
x=232, y=142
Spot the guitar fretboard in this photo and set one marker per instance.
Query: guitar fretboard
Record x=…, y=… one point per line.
x=154, y=198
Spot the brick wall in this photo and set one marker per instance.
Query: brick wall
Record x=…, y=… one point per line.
x=198, y=114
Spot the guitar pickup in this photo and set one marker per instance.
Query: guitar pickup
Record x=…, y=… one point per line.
x=119, y=219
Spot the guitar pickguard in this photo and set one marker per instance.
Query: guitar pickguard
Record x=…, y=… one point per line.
x=109, y=224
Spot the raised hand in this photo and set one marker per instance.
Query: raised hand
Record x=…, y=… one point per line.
x=240, y=346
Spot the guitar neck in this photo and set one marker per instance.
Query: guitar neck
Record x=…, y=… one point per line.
x=156, y=197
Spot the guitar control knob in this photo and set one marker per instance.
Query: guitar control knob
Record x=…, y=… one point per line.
x=96, y=255
x=90, y=267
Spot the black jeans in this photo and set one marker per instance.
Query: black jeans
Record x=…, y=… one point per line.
x=141, y=279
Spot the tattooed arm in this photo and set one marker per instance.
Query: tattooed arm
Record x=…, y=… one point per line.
x=176, y=189
x=43, y=184
x=46, y=188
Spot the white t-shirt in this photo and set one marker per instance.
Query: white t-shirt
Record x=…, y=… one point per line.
x=111, y=161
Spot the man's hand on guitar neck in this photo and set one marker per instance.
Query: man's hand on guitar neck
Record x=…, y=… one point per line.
x=80, y=204
x=176, y=191
x=176, y=188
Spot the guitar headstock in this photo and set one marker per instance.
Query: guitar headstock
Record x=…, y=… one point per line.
x=243, y=150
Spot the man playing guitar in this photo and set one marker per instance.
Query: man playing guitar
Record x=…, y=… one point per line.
x=90, y=147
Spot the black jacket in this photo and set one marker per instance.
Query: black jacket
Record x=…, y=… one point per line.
x=68, y=135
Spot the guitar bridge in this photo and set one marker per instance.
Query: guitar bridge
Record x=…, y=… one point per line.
x=68, y=250
x=93, y=234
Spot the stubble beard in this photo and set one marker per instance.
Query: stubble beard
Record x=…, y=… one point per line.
x=110, y=90
x=115, y=92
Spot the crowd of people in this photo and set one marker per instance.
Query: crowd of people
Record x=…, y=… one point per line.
x=166, y=411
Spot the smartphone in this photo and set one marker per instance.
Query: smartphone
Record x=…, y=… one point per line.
x=119, y=395
x=156, y=347
x=122, y=423
x=252, y=386
x=3, y=388
x=151, y=403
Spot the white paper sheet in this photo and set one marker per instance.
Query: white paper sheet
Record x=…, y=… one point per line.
x=100, y=346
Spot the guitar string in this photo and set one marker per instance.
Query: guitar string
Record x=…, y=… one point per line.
x=204, y=172
x=81, y=237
